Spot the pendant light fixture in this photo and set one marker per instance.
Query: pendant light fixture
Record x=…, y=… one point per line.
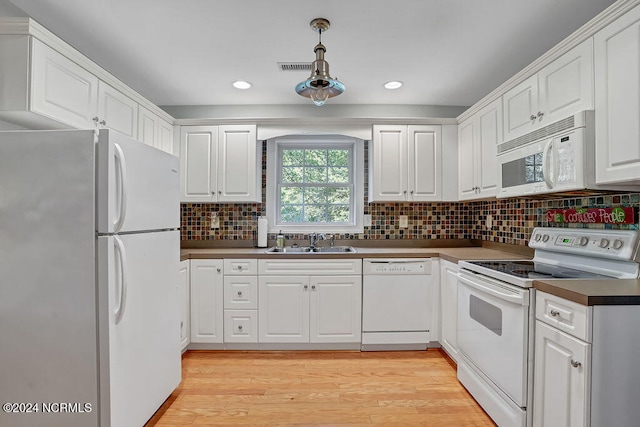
x=320, y=86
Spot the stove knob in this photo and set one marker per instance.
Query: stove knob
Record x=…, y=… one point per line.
x=545, y=237
x=538, y=237
x=617, y=244
x=604, y=243
x=583, y=241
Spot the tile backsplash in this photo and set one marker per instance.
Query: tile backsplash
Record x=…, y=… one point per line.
x=512, y=219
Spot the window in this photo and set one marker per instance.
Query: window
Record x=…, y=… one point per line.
x=315, y=183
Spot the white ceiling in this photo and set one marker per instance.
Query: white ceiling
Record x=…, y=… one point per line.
x=187, y=52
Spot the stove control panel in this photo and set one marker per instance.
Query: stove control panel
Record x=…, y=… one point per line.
x=618, y=244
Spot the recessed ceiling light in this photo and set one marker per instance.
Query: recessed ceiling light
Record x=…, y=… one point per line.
x=394, y=84
x=241, y=84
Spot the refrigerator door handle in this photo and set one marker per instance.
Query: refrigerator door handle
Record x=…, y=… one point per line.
x=122, y=256
x=122, y=190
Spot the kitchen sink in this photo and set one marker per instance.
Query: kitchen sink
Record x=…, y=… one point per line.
x=309, y=250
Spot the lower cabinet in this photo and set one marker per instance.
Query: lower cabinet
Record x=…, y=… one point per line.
x=207, y=301
x=449, y=308
x=310, y=308
x=185, y=302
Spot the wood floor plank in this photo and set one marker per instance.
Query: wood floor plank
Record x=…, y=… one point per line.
x=319, y=388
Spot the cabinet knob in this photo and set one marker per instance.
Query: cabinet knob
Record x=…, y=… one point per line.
x=532, y=117
x=219, y=271
x=554, y=313
x=219, y=191
x=540, y=114
x=103, y=122
x=313, y=287
x=96, y=119
x=305, y=287
x=239, y=327
x=239, y=293
x=239, y=268
x=575, y=363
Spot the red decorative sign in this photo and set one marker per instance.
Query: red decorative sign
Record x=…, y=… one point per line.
x=618, y=215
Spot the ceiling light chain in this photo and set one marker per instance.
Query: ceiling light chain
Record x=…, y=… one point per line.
x=320, y=86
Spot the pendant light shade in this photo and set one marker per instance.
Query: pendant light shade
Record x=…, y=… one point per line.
x=320, y=86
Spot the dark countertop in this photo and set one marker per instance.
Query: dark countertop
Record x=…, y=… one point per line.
x=593, y=292
x=447, y=253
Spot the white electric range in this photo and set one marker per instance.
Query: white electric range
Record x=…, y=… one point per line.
x=496, y=310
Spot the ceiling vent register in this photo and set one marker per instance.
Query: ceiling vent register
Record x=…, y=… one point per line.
x=553, y=128
x=294, y=66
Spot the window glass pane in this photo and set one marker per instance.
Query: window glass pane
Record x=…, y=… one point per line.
x=315, y=213
x=291, y=195
x=339, y=195
x=339, y=213
x=292, y=157
x=315, y=174
x=339, y=174
x=338, y=157
x=315, y=157
x=291, y=174
x=315, y=195
x=291, y=213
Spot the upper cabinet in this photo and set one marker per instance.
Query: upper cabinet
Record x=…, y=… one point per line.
x=49, y=85
x=405, y=163
x=478, y=138
x=220, y=164
x=560, y=89
x=617, y=72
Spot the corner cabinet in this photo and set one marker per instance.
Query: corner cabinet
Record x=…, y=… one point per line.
x=300, y=303
x=220, y=164
x=207, y=290
x=405, y=164
x=617, y=72
x=478, y=138
x=560, y=89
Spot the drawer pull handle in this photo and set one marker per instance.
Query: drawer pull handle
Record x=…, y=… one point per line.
x=554, y=313
x=575, y=363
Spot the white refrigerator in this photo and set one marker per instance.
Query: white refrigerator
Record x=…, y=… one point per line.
x=89, y=259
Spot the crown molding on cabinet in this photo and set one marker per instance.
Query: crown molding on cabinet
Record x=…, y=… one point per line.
x=600, y=21
x=30, y=27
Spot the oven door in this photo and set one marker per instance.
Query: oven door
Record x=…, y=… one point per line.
x=493, y=331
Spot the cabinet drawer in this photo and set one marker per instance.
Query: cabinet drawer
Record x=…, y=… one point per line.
x=245, y=267
x=241, y=292
x=241, y=326
x=324, y=267
x=567, y=316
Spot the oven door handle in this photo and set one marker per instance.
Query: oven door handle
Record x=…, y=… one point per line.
x=506, y=296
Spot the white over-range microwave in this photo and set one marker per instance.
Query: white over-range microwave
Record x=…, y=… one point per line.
x=559, y=157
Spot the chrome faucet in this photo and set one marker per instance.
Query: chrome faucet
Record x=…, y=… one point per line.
x=313, y=239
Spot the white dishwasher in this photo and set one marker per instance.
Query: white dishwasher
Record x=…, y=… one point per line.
x=396, y=303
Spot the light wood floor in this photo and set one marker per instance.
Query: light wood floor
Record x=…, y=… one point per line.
x=415, y=388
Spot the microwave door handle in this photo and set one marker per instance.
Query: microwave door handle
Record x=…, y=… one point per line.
x=546, y=160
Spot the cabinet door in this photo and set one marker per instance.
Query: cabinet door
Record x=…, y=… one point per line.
x=61, y=89
x=147, y=126
x=165, y=136
x=388, y=173
x=617, y=77
x=561, y=384
x=521, y=107
x=566, y=85
x=424, y=162
x=283, y=309
x=466, y=159
x=185, y=309
x=198, y=160
x=489, y=135
x=449, y=295
x=206, y=301
x=239, y=177
x=335, y=309
x=117, y=111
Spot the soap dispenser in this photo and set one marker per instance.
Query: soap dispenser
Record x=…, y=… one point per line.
x=280, y=240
